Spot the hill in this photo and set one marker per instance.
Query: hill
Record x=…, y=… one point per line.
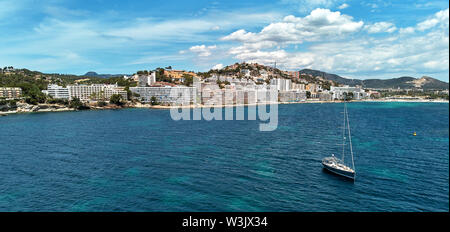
x=426, y=83
x=94, y=74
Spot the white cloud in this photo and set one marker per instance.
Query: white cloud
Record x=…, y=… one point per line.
x=202, y=50
x=401, y=52
x=107, y=38
x=380, y=27
x=319, y=25
x=407, y=30
x=304, y=6
x=217, y=66
x=343, y=6
x=440, y=17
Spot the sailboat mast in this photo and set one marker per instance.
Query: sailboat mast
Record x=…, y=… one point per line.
x=343, y=135
x=350, y=141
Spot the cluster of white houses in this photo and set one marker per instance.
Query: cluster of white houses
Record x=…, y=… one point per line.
x=168, y=95
x=206, y=93
x=210, y=91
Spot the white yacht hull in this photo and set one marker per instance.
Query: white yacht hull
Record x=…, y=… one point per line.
x=340, y=172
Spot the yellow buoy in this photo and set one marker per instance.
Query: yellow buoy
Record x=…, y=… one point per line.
x=414, y=134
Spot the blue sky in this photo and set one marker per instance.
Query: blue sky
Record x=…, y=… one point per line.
x=355, y=39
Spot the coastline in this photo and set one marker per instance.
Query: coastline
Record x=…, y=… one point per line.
x=285, y=103
x=65, y=109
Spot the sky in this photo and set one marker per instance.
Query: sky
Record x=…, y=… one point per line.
x=354, y=39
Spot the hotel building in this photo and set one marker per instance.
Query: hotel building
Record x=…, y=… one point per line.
x=167, y=95
x=100, y=91
x=57, y=92
x=10, y=92
x=338, y=92
x=282, y=84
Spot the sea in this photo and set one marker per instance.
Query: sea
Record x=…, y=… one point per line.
x=143, y=160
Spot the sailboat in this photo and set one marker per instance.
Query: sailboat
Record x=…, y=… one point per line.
x=336, y=165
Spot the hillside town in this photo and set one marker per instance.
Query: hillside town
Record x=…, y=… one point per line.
x=237, y=84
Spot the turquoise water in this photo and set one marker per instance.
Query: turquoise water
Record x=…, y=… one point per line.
x=142, y=160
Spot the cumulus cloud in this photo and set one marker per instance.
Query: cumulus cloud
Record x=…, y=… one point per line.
x=407, y=30
x=217, y=66
x=320, y=24
x=400, y=52
x=380, y=27
x=202, y=50
x=343, y=6
x=440, y=17
x=307, y=5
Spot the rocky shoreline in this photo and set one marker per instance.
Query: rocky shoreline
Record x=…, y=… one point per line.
x=27, y=108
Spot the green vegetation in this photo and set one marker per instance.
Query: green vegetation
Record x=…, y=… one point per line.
x=101, y=104
x=77, y=104
x=348, y=96
x=58, y=101
x=142, y=72
x=188, y=79
x=154, y=101
x=33, y=94
x=308, y=94
x=222, y=83
x=161, y=77
x=116, y=99
x=426, y=94
x=10, y=103
x=32, y=83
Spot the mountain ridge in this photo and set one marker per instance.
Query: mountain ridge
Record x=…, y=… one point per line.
x=404, y=82
x=95, y=74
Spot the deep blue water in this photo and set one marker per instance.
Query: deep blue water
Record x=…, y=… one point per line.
x=142, y=160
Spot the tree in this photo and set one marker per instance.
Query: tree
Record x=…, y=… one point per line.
x=101, y=103
x=308, y=94
x=129, y=93
x=349, y=95
x=116, y=99
x=93, y=96
x=33, y=94
x=77, y=104
x=188, y=79
x=153, y=101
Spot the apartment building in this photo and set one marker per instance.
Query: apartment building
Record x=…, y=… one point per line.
x=95, y=91
x=146, y=80
x=57, y=92
x=167, y=95
x=292, y=96
x=339, y=92
x=10, y=92
x=282, y=84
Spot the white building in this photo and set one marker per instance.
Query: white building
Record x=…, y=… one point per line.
x=300, y=86
x=57, y=92
x=246, y=72
x=282, y=84
x=167, y=95
x=264, y=74
x=10, y=92
x=95, y=92
x=147, y=80
x=292, y=96
x=338, y=92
